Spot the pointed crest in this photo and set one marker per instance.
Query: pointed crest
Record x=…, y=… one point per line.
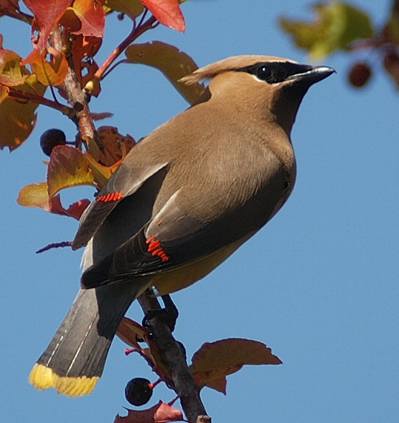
x=231, y=63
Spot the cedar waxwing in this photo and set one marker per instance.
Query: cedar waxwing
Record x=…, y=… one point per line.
x=183, y=200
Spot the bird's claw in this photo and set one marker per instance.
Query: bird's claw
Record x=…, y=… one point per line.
x=168, y=314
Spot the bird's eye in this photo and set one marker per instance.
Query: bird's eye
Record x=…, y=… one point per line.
x=271, y=72
x=264, y=72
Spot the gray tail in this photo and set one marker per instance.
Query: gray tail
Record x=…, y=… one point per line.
x=75, y=358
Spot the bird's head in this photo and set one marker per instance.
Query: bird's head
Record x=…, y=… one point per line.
x=270, y=86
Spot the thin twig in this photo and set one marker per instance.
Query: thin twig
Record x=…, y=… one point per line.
x=62, y=244
x=53, y=93
x=23, y=95
x=111, y=68
x=17, y=14
x=143, y=16
x=134, y=33
x=142, y=354
x=48, y=81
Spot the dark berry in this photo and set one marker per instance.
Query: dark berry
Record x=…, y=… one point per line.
x=51, y=138
x=138, y=391
x=359, y=74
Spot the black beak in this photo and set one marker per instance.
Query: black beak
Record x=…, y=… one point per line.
x=311, y=74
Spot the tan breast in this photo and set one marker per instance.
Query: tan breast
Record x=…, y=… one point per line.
x=184, y=276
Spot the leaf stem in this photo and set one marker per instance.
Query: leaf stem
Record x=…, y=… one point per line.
x=111, y=68
x=136, y=31
x=23, y=95
x=17, y=14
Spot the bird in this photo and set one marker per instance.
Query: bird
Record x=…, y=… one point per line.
x=183, y=200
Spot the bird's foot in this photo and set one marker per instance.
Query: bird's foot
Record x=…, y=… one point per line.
x=168, y=314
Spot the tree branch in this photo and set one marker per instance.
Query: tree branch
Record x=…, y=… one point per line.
x=134, y=33
x=15, y=13
x=174, y=359
x=77, y=97
x=23, y=95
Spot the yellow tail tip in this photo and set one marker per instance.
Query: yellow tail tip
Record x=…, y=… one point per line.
x=42, y=377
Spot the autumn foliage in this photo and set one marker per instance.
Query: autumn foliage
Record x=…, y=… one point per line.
x=210, y=365
x=66, y=36
x=62, y=72
x=342, y=27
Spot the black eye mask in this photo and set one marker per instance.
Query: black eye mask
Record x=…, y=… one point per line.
x=274, y=72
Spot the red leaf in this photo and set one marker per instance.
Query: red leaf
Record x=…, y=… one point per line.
x=115, y=146
x=47, y=13
x=92, y=17
x=83, y=48
x=55, y=206
x=75, y=210
x=159, y=413
x=167, y=12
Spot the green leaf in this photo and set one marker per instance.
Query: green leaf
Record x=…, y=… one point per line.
x=11, y=72
x=172, y=62
x=336, y=26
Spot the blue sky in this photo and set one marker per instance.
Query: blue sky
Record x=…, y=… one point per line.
x=319, y=284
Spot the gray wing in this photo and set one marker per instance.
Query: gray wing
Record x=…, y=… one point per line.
x=123, y=184
x=175, y=237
